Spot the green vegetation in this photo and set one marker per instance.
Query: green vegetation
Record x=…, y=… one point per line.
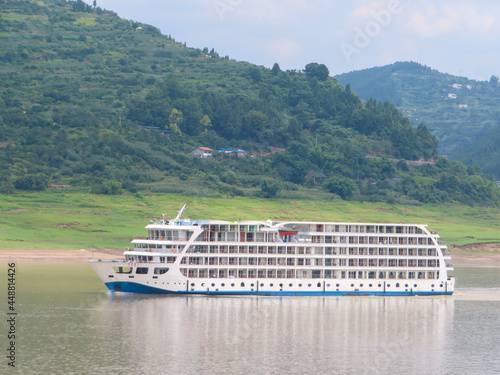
x=461, y=112
x=71, y=219
x=94, y=101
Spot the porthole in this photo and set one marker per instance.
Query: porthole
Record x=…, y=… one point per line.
x=388, y=285
x=213, y=284
x=397, y=285
x=252, y=284
x=432, y=285
x=370, y=285
x=281, y=285
x=379, y=285
x=415, y=285
x=222, y=284
x=309, y=285
x=300, y=285
x=406, y=285
x=261, y=284
x=360, y=285
x=319, y=285
x=328, y=285
x=337, y=285
x=271, y=285
x=352, y=285
x=192, y=284
x=232, y=284
x=242, y=284
x=290, y=285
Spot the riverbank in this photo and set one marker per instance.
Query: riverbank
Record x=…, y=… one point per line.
x=472, y=255
x=58, y=256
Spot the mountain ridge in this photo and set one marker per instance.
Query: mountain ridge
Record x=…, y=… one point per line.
x=458, y=110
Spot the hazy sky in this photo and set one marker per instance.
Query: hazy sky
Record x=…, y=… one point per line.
x=460, y=37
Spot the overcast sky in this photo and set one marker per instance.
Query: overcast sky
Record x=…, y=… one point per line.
x=460, y=37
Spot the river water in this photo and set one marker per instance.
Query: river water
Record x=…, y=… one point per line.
x=67, y=323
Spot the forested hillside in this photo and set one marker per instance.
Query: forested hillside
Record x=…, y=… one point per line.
x=458, y=110
x=89, y=99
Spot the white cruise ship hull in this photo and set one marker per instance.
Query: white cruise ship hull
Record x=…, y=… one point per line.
x=168, y=284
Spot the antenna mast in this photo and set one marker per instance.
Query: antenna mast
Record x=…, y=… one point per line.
x=179, y=213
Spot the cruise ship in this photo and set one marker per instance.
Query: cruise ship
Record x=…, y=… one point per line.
x=214, y=257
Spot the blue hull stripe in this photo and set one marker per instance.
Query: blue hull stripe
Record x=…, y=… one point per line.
x=131, y=287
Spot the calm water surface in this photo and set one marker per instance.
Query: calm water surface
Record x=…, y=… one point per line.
x=68, y=324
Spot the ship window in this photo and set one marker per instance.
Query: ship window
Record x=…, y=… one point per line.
x=122, y=269
x=161, y=270
x=388, y=285
x=370, y=285
x=352, y=285
x=232, y=284
x=397, y=285
x=142, y=270
x=337, y=285
x=300, y=285
x=290, y=284
x=415, y=285
x=242, y=284
x=213, y=284
x=319, y=284
x=192, y=284
x=222, y=284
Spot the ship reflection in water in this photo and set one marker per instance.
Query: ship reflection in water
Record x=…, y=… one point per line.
x=284, y=335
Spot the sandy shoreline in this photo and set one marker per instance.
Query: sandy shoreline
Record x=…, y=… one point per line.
x=460, y=258
x=58, y=256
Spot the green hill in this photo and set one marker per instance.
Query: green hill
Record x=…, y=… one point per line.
x=457, y=110
x=90, y=99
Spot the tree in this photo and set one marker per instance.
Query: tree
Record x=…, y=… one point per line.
x=342, y=186
x=175, y=119
x=270, y=189
x=206, y=122
x=320, y=71
x=37, y=181
x=275, y=69
x=494, y=80
x=254, y=74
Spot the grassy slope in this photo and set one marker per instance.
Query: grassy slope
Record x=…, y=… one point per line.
x=71, y=219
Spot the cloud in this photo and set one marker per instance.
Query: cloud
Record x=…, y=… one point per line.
x=367, y=10
x=432, y=21
x=284, y=49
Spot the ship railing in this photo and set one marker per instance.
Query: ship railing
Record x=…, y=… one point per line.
x=153, y=250
x=160, y=238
